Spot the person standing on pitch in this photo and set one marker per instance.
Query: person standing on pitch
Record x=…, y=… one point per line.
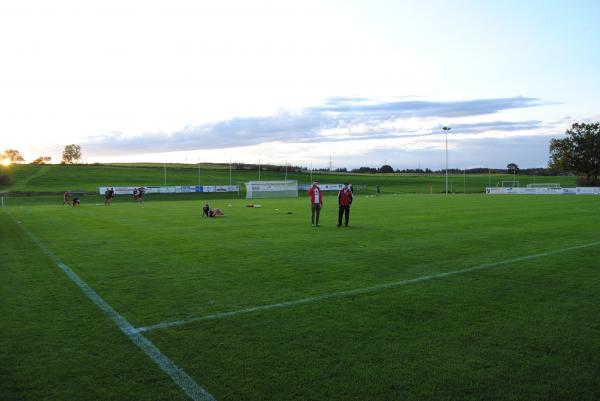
x=345, y=198
x=316, y=202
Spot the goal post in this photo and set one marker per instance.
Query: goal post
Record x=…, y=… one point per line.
x=508, y=184
x=271, y=189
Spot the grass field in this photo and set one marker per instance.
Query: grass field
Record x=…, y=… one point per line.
x=55, y=179
x=423, y=297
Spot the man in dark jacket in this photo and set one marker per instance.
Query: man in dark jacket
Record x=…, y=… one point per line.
x=345, y=198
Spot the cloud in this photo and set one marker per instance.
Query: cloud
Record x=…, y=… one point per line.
x=423, y=108
x=525, y=151
x=473, y=128
x=338, y=119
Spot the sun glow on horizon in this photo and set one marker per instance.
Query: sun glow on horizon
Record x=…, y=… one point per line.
x=5, y=162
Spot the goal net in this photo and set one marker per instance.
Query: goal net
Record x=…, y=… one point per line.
x=271, y=189
x=546, y=185
x=507, y=184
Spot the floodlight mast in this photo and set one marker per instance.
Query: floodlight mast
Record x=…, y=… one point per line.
x=446, y=129
x=165, y=172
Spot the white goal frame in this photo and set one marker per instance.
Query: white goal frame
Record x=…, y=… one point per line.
x=271, y=189
x=513, y=184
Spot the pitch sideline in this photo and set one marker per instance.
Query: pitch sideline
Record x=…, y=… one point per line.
x=178, y=375
x=357, y=291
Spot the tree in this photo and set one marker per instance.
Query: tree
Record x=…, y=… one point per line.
x=42, y=160
x=13, y=155
x=71, y=154
x=4, y=179
x=386, y=169
x=512, y=168
x=578, y=152
x=371, y=170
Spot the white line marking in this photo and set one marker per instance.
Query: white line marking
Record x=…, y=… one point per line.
x=220, y=315
x=178, y=375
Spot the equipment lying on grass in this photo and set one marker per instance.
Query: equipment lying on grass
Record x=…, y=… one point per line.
x=271, y=189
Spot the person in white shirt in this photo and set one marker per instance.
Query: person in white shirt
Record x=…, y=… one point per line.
x=316, y=203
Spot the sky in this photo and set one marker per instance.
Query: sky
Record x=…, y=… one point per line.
x=351, y=83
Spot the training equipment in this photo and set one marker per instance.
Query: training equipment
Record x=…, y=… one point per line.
x=271, y=189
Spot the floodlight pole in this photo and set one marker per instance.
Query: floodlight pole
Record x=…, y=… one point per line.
x=446, y=129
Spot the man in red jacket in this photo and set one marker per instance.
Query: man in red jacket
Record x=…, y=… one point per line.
x=316, y=202
x=345, y=198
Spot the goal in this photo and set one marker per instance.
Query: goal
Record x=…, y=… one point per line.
x=507, y=184
x=271, y=189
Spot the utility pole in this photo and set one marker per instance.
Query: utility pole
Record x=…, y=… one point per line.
x=446, y=129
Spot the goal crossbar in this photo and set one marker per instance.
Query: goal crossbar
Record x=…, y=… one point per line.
x=271, y=189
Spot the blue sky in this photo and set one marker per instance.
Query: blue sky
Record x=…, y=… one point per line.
x=362, y=82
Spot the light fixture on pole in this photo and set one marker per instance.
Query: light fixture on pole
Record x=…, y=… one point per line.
x=446, y=129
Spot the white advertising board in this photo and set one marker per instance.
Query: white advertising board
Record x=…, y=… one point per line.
x=543, y=191
x=324, y=187
x=181, y=189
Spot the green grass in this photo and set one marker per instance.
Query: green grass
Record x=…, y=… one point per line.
x=55, y=179
x=523, y=330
